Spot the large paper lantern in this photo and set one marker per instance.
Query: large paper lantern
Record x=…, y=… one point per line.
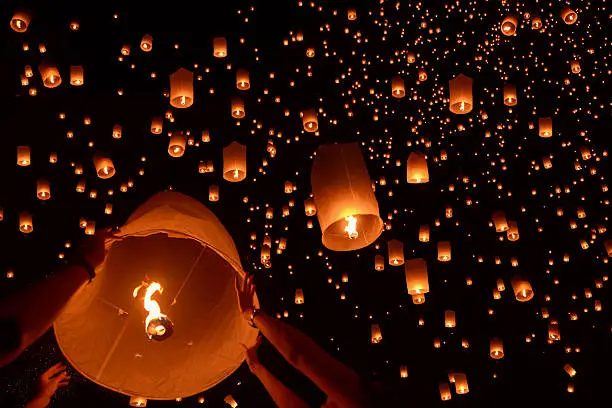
x=416, y=169
x=508, y=25
x=444, y=251
x=146, y=44
x=238, y=108
x=20, y=21
x=220, y=47
x=25, y=222
x=522, y=289
x=461, y=94
x=175, y=248
x=104, y=166
x=568, y=15
x=496, y=350
x=461, y=384
x=176, y=146
x=242, y=79
x=310, y=121
x=445, y=393
x=499, y=220
x=510, y=98
x=23, y=156
x=346, y=206
x=43, y=189
x=50, y=75
x=234, y=162
x=397, y=87
x=424, y=233
x=417, y=281
x=76, y=75
x=396, y=252
x=545, y=127
x=181, y=88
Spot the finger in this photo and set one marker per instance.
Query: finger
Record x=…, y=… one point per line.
x=245, y=348
x=237, y=284
x=63, y=383
x=61, y=376
x=54, y=370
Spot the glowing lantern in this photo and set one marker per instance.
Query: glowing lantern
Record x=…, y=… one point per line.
x=568, y=15
x=396, y=252
x=43, y=189
x=299, y=296
x=90, y=227
x=510, y=98
x=496, y=348
x=575, y=66
x=508, y=25
x=25, y=222
x=585, y=152
x=136, y=401
x=461, y=94
x=117, y=132
x=512, y=233
x=410, y=58
x=499, y=219
x=125, y=50
x=352, y=14
x=242, y=79
x=416, y=171
x=156, y=125
x=104, y=166
x=238, y=108
x=213, y=193
x=403, y=371
x=554, y=334
x=397, y=87
x=20, y=21
x=310, y=121
x=569, y=370
x=424, y=233
x=176, y=147
x=220, y=47
x=422, y=75
x=536, y=23
x=376, y=333
x=444, y=251
x=229, y=400
x=23, y=156
x=417, y=281
x=449, y=319
x=522, y=289
x=76, y=75
x=608, y=246
x=545, y=127
x=309, y=207
x=146, y=44
x=445, y=392
x=461, y=384
x=347, y=208
x=379, y=263
x=50, y=75
x=181, y=251
x=181, y=88
x=234, y=162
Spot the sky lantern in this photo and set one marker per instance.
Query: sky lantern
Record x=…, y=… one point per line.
x=379, y=263
x=424, y=233
x=176, y=146
x=213, y=193
x=20, y=21
x=125, y=50
x=568, y=15
x=608, y=246
x=238, y=111
x=105, y=168
x=512, y=232
x=25, y=222
x=417, y=280
x=50, y=75
x=510, y=98
x=242, y=79
x=461, y=94
x=397, y=87
x=299, y=297
x=422, y=75
x=43, y=189
x=416, y=168
x=376, y=333
x=347, y=209
x=554, y=333
x=136, y=401
x=545, y=128
x=220, y=47
x=156, y=125
x=234, y=162
x=23, y=156
x=309, y=207
x=461, y=384
x=146, y=44
x=496, y=349
x=396, y=252
x=522, y=289
x=569, y=370
x=76, y=75
x=449, y=319
x=181, y=88
x=117, y=131
x=444, y=251
x=170, y=284
x=352, y=14
x=575, y=66
x=445, y=392
x=410, y=58
x=508, y=25
x=403, y=371
x=310, y=121
x=499, y=219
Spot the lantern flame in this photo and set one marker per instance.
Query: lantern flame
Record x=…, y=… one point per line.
x=236, y=174
x=351, y=227
x=152, y=307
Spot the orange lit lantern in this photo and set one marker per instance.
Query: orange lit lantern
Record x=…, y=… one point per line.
x=379, y=263
x=449, y=319
x=76, y=75
x=181, y=88
x=238, y=108
x=575, y=66
x=545, y=127
x=125, y=50
x=299, y=296
x=310, y=121
x=352, y=14
x=156, y=125
x=536, y=23
x=117, y=132
x=104, y=166
x=444, y=251
x=499, y=219
x=229, y=400
x=568, y=15
x=496, y=348
x=510, y=98
x=376, y=333
x=522, y=289
x=608, y=246
x=397, y=87
x=213, y=193
x=43, y=189
x=422, y=75
x=403, y=371
x=25, y=222
x=146, y=44
x=23, y=156
x=424, y=233
x=242, y=79
x=309, y=207
x=90, y=228
x=176, y=146
x=136, y=401
x=410, y=58
x=346, y=205
x=461, y=384
x=234, y=162
x=417, y=280
x=554, y=334
x=417, y=171
x=396, y=252
x=220, y=47
x=445, y=392
x=569, y=370
x=50, y=75
x=512, y=233
x=461, y=94
x=20, y=21
x=508, y=25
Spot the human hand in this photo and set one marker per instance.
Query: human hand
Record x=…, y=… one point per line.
x=246, y=295
x=48, y=383
x=251, y=354
x=94, y=248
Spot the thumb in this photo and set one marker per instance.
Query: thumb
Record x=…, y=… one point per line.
x=245, y=348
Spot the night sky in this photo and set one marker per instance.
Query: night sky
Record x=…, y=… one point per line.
x=491, y=159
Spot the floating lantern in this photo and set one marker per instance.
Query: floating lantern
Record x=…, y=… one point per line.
x=417, y=280
x=449, y=319
x=416, y=168
x=445, y=392
x=410, y=58
x=608, y=246
x=309, y=207
x=156, y=125
x=461, y=94
x=352, y=14
x=299, y=296
x=499, y=219
x=310, y=121
x=403, y=371
x=181, y=88
x=346, y=205
x=23, y=156
x=461, y=384
x=522, y=289
x=396, y=252
x=508, y=25
x=242, y=79
x=238, y=108
x=220, y=47
x=43, y=189
x=376, y=333
x=512, y=233
x=229, y=400
x=117, y=132
x=397, y=87
x=569, y=370
x=536, y=23
x=50, y=75
x=234, y=162
x=424, y=233
x=510, y=98
x=379, y=263
x=90, y=227
x=575, y=66
x=104, y=166
x=76, y=75
x=20, y=21
x=174, y=247
x=444, y=251
x=568, y=15
x=500, y=285
x=146, y=44
x=125, y=50
x=496, y=348
x=138, y=401
x=545, y=127
x=25, y=222
x=554, y=334
x=176, y=147
x=213, y=193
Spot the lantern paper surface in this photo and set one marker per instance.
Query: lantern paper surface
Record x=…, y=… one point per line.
x=234, y=162
x=461, y=94
x=181, y=88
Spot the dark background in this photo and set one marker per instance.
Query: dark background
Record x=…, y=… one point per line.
x=469, y=42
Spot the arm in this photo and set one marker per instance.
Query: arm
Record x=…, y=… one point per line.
x=47, y=385
x=29, y=314
x=339, y=382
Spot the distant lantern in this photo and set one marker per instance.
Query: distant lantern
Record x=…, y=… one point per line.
x=444, y=251
x=205, y=136
x=50, y=75
x=536, y=23
x=235, y=162
x=238, y=108
x=585, y=152
x=396, y=252
x=23, y=156
x=403, y=371
x=569, y=370
x=299, y=296
x=242, y=79
x=104, y=166
x=545, y=127
x=510, y=98
x=156, y=125
x=346, y=205
x=229, y=400
x=20, y=21
x=310, y=52
x=136, y=401
x=416, y=169
x=213, y=193
x=496, y=350
x=117, y=131
x=410, y=58
x=499, y=220
x=509, y=24
x=397, y=87
x=460, y=89
x=379, y=263
x=90, y=228
x=417, y=280
x=76, y=75
x=376, y=333
x=125, y=50
x=25, y=222
x=575, y=66
x=176, y=147
x=522, y=289
x=449, y=319
x=352, y=14
x=220, y=47
x=554, y=334
x=43, y=189
x=445, y=392
x=512, y=232
x=146, y=44
x=568, y=15
x=424, y=233
x=181, y=88
x=422, y=75
x=309, y=207
x=310, y=121
x=461, y=384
